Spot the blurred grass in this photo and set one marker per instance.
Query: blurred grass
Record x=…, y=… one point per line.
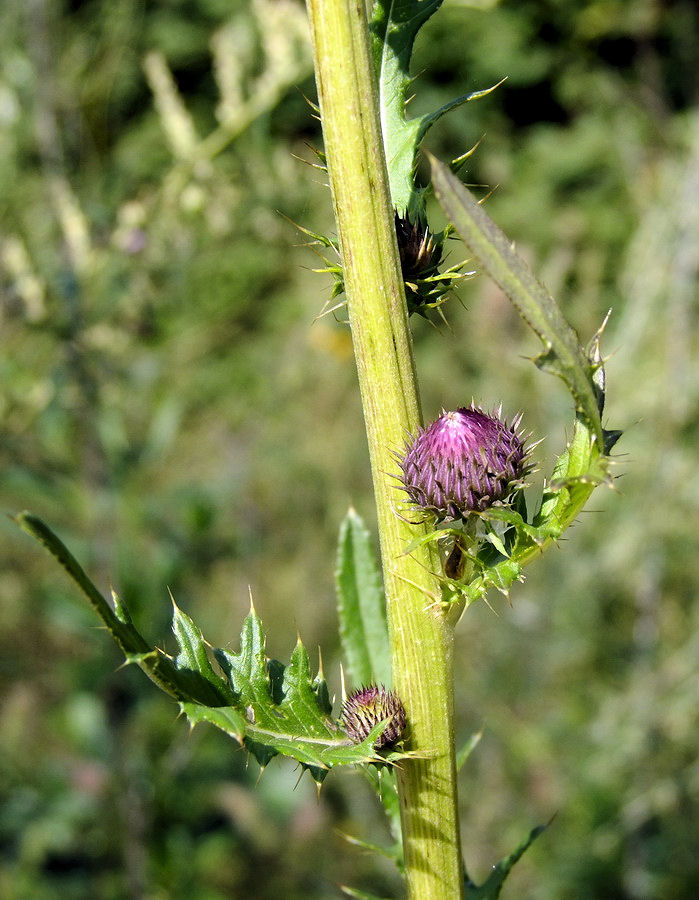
x=168, y=403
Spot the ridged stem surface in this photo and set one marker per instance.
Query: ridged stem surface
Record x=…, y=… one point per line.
x=420, y=633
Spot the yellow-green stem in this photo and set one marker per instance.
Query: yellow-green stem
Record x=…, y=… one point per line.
x=420, y=633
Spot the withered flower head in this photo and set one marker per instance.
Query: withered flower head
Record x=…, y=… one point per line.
x=365, y=708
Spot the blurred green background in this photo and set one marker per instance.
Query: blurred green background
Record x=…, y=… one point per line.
x=170, y=405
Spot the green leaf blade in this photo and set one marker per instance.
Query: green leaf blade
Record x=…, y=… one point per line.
x=248, y=672
x=361, y=605
x=123, y=632
x=270, y=708
x=226, y=718
x=394, y=26
x=491, y=888
x=562, y=353
x=162, y=670
x=429, y=119
x=193, y=662
x=467, y=749
x=300, y=703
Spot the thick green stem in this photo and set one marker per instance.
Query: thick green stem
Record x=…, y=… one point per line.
x=421, y=634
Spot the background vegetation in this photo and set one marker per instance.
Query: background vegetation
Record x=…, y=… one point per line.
x=170, y=406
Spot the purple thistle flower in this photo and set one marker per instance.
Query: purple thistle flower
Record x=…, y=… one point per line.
x=464, y=462
x=365, y=708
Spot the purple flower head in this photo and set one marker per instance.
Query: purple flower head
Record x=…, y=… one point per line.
x=464, y=462
x=364, y=709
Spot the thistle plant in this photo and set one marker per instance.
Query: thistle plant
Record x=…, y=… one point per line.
x=462, y=526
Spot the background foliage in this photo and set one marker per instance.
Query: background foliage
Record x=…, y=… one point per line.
x=169, y=405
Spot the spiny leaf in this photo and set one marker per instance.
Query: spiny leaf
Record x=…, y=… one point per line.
x=361, y=605
x=287, y=710
x=394, y=26
x=228, y=719
x=120, y=626
x=562, y=353
x=578, y=471
x=156, y=664
x=428, y=120
x=490, y=889
x=467, y=749
x=268, y=707
x=194, y=659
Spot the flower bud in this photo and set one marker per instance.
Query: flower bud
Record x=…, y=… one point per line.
x=464, y=462
x=364, y=709
x=420, y=252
